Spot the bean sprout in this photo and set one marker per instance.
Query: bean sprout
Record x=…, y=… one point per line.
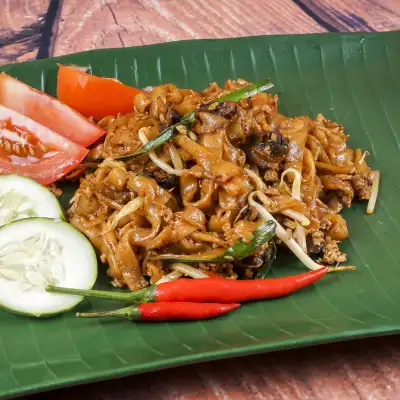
x=172, y=276
x=189, y=271
x=282, y=234
x=296, y=186
x=156, y=160
x=374, y=192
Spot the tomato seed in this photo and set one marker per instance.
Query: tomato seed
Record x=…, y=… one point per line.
x=17, y=149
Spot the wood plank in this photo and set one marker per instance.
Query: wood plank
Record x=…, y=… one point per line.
x=21, y=30
x=357, y=370
x=350, y=15
x=136, y=22
x=364, y=369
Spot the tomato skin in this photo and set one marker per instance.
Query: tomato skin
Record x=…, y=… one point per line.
x=48, y=111
x=63, y=155
x=93, y=96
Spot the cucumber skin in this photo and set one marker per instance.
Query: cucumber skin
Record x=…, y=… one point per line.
x=56, y=313
x=41, y=316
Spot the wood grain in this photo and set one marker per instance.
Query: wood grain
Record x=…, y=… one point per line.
x=350, y=15
x=21, y=24
x=366, y=369
x=136, y=22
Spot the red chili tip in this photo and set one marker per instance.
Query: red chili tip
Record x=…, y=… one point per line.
x=233, y=306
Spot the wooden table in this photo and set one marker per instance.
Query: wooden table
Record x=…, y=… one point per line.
x=29, y=29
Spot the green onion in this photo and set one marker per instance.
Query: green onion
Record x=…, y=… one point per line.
x=187, y=119
x=237, y=251
x=245, y=92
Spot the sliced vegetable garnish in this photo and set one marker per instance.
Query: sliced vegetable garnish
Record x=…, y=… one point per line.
x=238, y=251
x=22, y=198
x=30, y=149
x=212, y=290
x=246, y=91
x=47, y=111
x=37, y=252
x=92, y=95
x=166, y=311
x=187, y=119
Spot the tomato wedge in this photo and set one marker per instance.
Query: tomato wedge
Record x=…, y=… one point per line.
x=32, y=150
x=48, y=111
x=93, y=96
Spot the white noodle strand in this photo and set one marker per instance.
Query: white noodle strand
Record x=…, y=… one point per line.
x=374, y=192
x=175, y=157
x=282, y=234
x=189, y=271
x=299, y=235
x=127, y=209
x=160, y=163
x=260, y=185
x=299, y=217
x=172, y=276
x=296, y=185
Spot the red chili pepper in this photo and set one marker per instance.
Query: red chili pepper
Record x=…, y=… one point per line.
x=231, y=291
x=209, y=290
x=165, y=311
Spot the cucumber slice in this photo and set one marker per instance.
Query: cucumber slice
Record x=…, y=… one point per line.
x=36, y=252
x=22, y=197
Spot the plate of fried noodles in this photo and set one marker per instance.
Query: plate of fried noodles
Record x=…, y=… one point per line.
x=164, y=212
x=220, y=138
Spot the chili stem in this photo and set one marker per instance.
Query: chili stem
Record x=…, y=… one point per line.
x=342, y=268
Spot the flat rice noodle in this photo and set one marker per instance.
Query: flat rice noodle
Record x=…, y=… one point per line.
x=189, y=246
x=213, y=142
x=139, y=235
x=226, y=201
x=359, y=162
x=335, y=169
x=194, y=216
x=311, y=185
x=148, y=188
x=189, y=187
x=242, y=230
x=238, y=185
x=162, y=239
x=341, y=183
x=128, y=265
x=232, y=153
x=209, y=237
x=107, y=248
x=319, y=131
x=338, y=226
x=317, y=149
x=181, y=228
x=222, y=170
x=219, y=220
x=343, y=157
x=295, y=131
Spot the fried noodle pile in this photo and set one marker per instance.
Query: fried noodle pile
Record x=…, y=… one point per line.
x=191, y=195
